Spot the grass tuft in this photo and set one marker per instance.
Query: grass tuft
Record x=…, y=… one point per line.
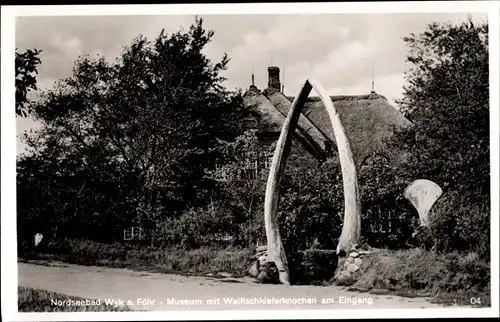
x=452, y=277
x=199, y=261
x=36, y=300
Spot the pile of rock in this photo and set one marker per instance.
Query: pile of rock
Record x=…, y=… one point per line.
x=352, y=266
x=260, y=259
x=261, y=253
x=263, y=270
x=348, y=270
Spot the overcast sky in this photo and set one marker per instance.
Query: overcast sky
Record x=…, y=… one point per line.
x=337, y=50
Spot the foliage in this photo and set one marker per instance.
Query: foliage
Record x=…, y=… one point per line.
x=235, y=213
x=244, y=190
x=465, y=228
x=216, y=225
x=128, y=142
x=168, y=260
x=26, y=65
x=447, y=99
x=425, y=273
x=144, y=140
x=388, y=219
x=36, y=300
x=310, y=210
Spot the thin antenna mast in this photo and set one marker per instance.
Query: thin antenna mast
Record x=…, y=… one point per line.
x=283, y=84
x=253, y=77
x=373, y=79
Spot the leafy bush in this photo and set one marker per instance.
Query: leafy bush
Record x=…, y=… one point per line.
x=388, y=219
x=214, y=225
x=310, y=208
x=457, y=223
x=317, y=265
x=175, y=260
x=457, y=220
x=421, y=272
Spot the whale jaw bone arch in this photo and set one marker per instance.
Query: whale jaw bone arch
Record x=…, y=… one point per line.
x=351, y=229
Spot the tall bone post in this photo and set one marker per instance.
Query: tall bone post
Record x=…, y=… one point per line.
x=351, y=228
x=352, y=222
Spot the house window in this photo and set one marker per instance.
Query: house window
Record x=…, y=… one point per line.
x=221, y=175
x=247, y=173
x=221, y=172
x=386, y=226
x=132, y=233
x=250, y=163
x=268, y=162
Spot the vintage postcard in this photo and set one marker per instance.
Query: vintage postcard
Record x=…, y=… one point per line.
x=250, y=161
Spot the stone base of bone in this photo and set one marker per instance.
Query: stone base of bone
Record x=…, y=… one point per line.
x=253, y=271
x=260, y=259
x=268, y=274
x=261, y=270
x=352, y=266
x=313, y=265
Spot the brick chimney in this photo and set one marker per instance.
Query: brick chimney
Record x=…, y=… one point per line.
x=274, y=78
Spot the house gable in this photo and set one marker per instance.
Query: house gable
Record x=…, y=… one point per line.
x=368, y=119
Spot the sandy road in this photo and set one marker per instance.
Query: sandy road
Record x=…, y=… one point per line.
x=164, y=291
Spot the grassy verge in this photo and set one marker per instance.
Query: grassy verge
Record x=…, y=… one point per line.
x=453, y=278
x=35, y=300
x=200, y=261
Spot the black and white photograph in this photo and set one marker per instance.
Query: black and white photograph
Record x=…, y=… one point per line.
x=250, y=161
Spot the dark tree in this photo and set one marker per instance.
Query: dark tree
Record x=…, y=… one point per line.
x=447, y=99
x=26, y=70
x=128, y=142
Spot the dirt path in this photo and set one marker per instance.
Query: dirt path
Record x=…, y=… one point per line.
x=165, y=291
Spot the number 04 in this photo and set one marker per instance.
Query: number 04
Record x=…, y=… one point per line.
x=475, y=300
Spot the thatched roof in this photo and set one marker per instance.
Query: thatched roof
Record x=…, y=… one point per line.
x=368, y=119
x=272, y=118
x=257, y=103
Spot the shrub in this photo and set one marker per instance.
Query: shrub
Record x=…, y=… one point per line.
x=309, y=208
x=215, y=225
x=458, y=224
x=420, y=272
x=387, y=217
x=167, y=260
x=318, y=265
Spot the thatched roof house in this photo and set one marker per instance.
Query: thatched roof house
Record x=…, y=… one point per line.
x=368, y=119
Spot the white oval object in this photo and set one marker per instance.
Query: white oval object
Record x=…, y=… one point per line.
x=423, y=193
x=38, y=239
